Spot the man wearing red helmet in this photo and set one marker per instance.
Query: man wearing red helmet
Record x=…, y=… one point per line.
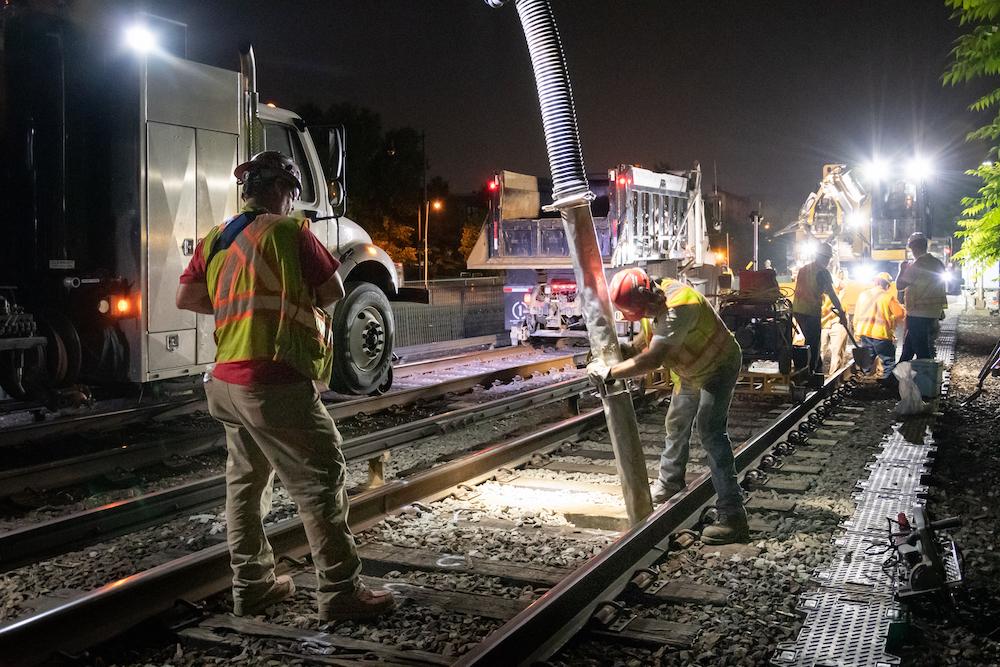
x=691, y=340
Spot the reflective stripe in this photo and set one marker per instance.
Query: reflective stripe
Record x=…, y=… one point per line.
x=263, y=307
x=828, y=317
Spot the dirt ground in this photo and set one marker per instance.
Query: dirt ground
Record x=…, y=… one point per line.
x=964, y=484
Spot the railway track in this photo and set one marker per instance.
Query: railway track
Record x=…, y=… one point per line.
x=36, y=425
x=428, y=379
x=563, y=467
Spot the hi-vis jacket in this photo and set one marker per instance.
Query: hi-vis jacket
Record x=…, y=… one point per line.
x=876, y=314
x=263, y=307
x=699, y=342
x=808, y=299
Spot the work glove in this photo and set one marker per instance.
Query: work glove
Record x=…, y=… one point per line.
x=599, y=373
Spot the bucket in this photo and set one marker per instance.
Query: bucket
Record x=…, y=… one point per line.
x=928, y=376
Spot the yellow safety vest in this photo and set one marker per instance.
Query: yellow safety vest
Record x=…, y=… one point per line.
x=708, y=343
x=876, y=314
x=828, y=317
x=807, y=298
x=263, y=308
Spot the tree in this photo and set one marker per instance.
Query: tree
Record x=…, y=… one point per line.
x=977, y=54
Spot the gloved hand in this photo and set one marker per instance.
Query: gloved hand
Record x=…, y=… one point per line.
x=599, y=373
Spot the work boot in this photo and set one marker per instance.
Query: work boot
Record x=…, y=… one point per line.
x=730, y=527
x=661, y=492
x=361, y=604
x=282, y=587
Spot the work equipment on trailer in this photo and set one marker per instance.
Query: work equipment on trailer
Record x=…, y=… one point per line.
x=991, y=367
x=760, y=317
x=925, y=561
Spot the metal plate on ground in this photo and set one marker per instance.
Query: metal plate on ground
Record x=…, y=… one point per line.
x=841, y=628
x=901, y=451
x=858, y=563
x=900, y=479
x=871, y=515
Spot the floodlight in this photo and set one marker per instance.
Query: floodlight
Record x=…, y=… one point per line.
x=918, y=169
x=876, y=170
x=856, y=219
x=140, y=39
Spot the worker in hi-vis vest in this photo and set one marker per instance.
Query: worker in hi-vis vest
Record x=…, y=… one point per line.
x=875, y=318
x=690, y=340
x=811, y=282
x=267, y=278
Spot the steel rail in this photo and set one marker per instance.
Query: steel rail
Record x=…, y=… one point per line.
x=29, y=544
x=11, y=436
x=551, y=620
x=38, y=431
x=65, y=472
x=374, y=404
x=115, y=607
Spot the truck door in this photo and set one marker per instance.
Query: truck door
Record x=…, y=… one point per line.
x=285, y=139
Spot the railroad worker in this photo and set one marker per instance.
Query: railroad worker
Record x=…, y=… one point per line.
x=834, y=333
x=690, y=340
x=875, y=318
x=811, y=282
x=923, y=286
x=265, y=277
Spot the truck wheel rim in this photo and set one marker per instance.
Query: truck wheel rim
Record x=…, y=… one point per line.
x=367, y=339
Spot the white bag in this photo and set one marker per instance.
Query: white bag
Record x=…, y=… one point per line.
x=910, y=400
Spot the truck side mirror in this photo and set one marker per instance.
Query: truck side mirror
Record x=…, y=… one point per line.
x=337, y=161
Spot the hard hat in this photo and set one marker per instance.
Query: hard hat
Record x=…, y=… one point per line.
x=824, y=250
x=626, y=291
x=884, y=277
x=269, y=166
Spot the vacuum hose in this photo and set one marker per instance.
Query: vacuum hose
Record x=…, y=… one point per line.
x=572, y=199
x=562, y=138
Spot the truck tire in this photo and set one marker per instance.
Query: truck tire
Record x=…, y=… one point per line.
x=363, y=334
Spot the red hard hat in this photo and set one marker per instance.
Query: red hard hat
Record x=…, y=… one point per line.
x=626, y=292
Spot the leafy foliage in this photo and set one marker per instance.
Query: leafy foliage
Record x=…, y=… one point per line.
x=976, y=55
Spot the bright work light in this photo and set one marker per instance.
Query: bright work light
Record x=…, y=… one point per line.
x=140, y=39
x=918, y=169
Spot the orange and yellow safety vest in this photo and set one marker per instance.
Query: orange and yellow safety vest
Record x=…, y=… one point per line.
x=808, y=299
x=708, y=343
x=876, y=314
x=263, y=307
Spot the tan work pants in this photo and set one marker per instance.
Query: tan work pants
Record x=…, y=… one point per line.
x=283, y=428
x=837, y=337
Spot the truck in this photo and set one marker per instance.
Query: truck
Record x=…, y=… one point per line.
x=643, y=218
x=119, y=157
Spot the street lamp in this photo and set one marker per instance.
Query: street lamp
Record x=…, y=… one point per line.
x=437, y=205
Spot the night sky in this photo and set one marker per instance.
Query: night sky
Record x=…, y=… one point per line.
x=767, y=91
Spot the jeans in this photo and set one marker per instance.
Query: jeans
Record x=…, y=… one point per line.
x=812, y=331
x=708, y=406
x=921, y=333
x=284, y=428
x=884, y=350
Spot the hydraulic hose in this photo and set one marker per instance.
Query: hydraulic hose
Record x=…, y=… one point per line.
x=572, y=196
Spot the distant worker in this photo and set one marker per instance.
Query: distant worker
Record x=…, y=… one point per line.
x=690, y=340
x=834, y=335
x=875, y=318
x=265, y=276
x=767, y=265
x=812, y=281
x=923, y=286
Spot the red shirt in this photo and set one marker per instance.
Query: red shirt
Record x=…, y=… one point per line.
x=318, y=266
